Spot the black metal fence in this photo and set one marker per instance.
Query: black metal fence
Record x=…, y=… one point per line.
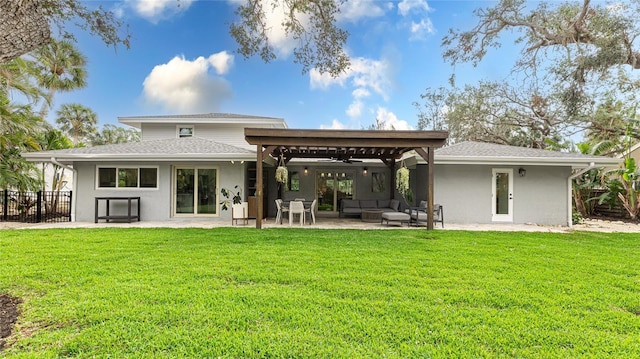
x=34, y=207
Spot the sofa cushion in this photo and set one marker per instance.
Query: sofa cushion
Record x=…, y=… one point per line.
x=383, y=203
x=423, y=204
x=368, y=203
x=352, y=210
x=350, y=203
x=394, y=204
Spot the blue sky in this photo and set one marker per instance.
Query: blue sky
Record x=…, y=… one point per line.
x=182, y=61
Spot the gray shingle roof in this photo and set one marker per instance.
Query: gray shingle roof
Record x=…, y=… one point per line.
x=481, y=149
x=479, y=152
x=185, y=147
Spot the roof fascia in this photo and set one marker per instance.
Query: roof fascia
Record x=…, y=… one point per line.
x=534, y=161
x=239, y=121
x=43, y=157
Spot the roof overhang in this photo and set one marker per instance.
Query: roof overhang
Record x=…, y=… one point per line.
x=237, y=120
x=531, y=161
x=81, y=157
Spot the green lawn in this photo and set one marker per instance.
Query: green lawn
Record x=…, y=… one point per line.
x=231, y=292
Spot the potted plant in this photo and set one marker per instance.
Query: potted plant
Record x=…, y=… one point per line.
x=230, y=197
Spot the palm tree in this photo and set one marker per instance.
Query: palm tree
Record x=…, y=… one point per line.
x=18, y=126
x=17, y=75
x=78, y=121
x=59, y=67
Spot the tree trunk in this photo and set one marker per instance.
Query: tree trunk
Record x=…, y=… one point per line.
x=23, y=26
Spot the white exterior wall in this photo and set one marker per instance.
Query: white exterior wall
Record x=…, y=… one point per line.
x=156, y=204
x=223, y=133
x=539, y=197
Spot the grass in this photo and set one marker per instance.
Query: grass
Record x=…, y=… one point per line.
x=231, y=292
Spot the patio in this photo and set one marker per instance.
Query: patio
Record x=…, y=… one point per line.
x=590, y=225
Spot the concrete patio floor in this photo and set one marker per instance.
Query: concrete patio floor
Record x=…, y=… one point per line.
x=338, y=223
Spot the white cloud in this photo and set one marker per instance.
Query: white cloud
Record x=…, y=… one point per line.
x=319, y=80
x=156, y=10
x=360, y=93
x=365, y=74
x=187, y=86
x=355, y=109
x=221, y=62
x=421, y=29
x=407, y=6
x=389, y=121
x=335, y=125
x=354, y=10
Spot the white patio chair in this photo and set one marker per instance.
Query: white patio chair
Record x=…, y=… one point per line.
x=296, y=207
x=282, y=209
x=312, y=211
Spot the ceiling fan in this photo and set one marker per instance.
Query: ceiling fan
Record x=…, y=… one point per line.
x=347, y=160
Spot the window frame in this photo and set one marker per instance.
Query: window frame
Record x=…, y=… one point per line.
x=179, y=127
x=117, y=187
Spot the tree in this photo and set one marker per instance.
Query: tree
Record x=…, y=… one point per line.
x=59, y=66
x=311, y=23
x=112, y=134
x=78, y=121
x=584, y=41
x=498, y=113
x=614, y=122
x=26, y=25
x=18, y=127
x=53, y=139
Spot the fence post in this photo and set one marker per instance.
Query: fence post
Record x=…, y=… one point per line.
x=39, y=207
x=70, y=204
x=5, y=205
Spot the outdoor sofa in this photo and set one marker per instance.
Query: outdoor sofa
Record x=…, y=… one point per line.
x=354, y=207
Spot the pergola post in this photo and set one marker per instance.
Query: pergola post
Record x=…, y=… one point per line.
x=430, y=165
x=259, y=186
x=428, y=156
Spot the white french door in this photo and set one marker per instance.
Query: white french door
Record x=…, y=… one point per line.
x=502, y=195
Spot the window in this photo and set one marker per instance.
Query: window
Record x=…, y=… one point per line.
x=294, y=182
x=127, y=177
x=185, y=131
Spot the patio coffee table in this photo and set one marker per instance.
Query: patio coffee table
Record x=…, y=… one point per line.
x=371, y=215
x=395, y=217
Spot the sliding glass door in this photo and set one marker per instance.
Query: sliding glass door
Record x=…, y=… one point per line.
x=195, y=191
x=333, y=186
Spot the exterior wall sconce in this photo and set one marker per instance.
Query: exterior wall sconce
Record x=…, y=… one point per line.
x=522, y=172
x=306, y=170
x=364, y=171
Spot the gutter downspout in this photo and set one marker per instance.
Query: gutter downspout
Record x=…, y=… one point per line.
x=592, y=165
x=74, y=196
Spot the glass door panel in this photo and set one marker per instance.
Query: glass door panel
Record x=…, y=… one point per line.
x=185, y=189
x=502, y=193
x=207, y=191
x=344, y=187
x=326, y=190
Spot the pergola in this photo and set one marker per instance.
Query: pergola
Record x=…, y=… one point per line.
x=387, y=146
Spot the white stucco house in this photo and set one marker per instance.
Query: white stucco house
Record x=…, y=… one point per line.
x=182, y=162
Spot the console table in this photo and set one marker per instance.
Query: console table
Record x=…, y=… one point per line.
x=129, y=216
